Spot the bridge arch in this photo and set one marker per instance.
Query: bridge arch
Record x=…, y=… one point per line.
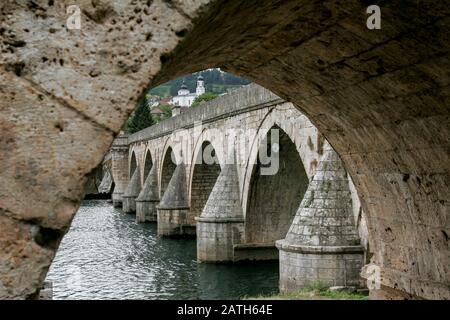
x=148, y=163
x=274, y=197
x=167, y=168
x=276, y=118
x=133, y=163
x=202, y=178
x=212, y=136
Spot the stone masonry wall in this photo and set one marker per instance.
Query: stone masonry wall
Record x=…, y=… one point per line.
x=255, y=110
x=203, y=181
x=119, y=168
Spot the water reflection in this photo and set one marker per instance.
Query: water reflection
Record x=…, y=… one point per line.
x=107, y=255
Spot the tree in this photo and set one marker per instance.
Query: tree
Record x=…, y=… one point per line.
x=167, y=113
x=167, y=109
x=141, y=117
x=207, y=96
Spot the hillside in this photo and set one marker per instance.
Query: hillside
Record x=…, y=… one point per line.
x=216, y=81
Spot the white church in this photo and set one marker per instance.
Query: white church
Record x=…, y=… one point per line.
x=184, y=99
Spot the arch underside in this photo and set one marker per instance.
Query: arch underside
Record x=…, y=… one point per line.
x=133, y=164
x=167, y=170
x=204, y=177
x=275, y=198
x=148, y=164
x=379, y=97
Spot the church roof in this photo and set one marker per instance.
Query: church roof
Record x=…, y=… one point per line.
x=200, y=77
x=156, y=110
x=166, y=100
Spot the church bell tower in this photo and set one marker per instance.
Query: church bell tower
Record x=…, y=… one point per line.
x=200, y=86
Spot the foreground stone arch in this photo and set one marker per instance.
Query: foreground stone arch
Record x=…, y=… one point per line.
x=379, y=97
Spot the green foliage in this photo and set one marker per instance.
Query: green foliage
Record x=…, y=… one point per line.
x=310, y=200
x=317, y=286
x=216, y=81
x=167, y=109
x=207, y=96
x=167, y=113
x=141, y=117
x=315, y=291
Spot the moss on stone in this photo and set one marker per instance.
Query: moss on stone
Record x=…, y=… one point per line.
x=325, y=186
x=310, y=200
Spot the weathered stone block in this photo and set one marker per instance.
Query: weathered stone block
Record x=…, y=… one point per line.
x=146, y=211
x=329, y=269
x=132, y=192
x=216, y=239
x=325, y=239
x=148, y=199
x=172, y=222
x=128, y=204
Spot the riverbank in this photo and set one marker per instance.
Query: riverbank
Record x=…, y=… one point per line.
x=314, y=292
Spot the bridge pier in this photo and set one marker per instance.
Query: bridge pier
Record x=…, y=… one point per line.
x=148, y=199
x=221, y=224
x=119, y=168
x=173, y=209
x=132, y=192
x=322, y=244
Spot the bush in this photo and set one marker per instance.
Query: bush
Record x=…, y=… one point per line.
x=167, y=109
x=207, y=96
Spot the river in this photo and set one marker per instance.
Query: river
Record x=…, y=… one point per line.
x=107, y=255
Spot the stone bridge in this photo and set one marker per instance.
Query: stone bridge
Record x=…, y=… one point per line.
x=380, y=97
x=234, y=172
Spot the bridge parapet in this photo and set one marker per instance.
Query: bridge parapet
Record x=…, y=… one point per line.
x=120, y=141
x=245, y=99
